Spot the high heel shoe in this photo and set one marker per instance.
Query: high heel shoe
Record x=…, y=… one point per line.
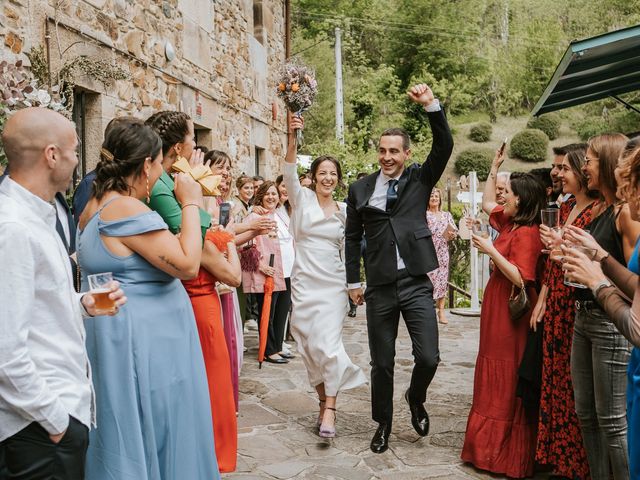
x=328, y=432
x=320, y=404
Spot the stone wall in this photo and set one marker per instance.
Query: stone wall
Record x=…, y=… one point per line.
x=223, y=73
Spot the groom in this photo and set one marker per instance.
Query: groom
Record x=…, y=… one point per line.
x=389, y=208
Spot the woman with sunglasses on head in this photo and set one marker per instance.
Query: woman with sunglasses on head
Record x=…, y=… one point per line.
x=600, y=353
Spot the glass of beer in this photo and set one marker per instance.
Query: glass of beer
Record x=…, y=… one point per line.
x=99, y=288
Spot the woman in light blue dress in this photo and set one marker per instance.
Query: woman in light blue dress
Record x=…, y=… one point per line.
x=153, y=411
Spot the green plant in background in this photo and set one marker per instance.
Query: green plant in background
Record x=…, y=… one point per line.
x=481, y=132
x=530, y=145
x=549, y=123
x=474, y=158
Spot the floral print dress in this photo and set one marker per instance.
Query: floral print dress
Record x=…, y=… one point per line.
x=559, y=436
x=440, y=277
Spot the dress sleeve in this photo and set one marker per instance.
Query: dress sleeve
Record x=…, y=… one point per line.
x=525, y=251
x=294, y=190
x=498, y=220
x=165, y=203
x=135, y=225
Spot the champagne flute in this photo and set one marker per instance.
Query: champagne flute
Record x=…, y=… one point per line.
x=551, y=218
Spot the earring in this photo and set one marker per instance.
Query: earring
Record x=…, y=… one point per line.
x=148, y=193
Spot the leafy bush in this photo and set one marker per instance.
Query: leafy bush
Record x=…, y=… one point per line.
x=549, y=123
x=530, y=145
x=475, y=158
x=481, y=132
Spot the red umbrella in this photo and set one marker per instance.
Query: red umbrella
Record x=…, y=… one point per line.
x=265, y=314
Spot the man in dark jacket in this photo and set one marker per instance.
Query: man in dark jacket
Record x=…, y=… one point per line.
x=389, y=208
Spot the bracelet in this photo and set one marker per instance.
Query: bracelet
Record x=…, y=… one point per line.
x=189, y=204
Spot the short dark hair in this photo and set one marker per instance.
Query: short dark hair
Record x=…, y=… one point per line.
x=217, y=157
x=543, y=175
x=257, y=178
x=563, y=150
x=313, y=169
x=202, y=148
x=361, y=175
x=532, y=198
x=398, y=132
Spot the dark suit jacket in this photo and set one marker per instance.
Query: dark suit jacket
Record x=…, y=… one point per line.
x=405, y=226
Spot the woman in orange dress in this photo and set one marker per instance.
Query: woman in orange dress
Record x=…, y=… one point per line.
x=176, y=131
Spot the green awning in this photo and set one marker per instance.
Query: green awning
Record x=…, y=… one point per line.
x=598, y=67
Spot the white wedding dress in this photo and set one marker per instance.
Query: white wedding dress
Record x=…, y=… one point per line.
x=319, y=289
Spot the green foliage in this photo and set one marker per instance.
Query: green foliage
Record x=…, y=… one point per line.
x=530, y=145
x=474, y=158
x=549, y=123
x=481, y=132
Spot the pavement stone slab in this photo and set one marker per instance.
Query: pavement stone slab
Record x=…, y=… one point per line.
x=278, y=411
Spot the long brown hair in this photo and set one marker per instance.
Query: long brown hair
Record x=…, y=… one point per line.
x=608, y=148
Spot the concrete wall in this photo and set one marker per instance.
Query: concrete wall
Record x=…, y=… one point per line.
x=223, y=74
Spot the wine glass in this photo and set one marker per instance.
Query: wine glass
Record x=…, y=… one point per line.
x=480, y=228
x=590, y=253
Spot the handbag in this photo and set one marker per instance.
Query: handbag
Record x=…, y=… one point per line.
x=249, y=257
x=519, y=303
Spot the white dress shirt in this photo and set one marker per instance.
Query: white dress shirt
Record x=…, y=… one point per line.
x=44, y=369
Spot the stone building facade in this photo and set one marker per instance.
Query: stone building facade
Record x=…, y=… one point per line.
x=216, y=60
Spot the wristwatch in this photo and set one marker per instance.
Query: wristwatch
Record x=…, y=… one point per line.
x=599, y=286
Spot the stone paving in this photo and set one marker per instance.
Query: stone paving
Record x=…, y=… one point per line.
x=278, y=409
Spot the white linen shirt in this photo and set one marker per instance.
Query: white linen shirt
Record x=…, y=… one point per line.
x=44, y=369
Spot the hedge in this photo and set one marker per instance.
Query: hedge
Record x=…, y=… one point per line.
x=481, y=132
x=475, y=158
x=530, y=145
x=549, y=123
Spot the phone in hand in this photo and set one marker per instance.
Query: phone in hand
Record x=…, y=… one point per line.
x=503, y=146
x=225, y=213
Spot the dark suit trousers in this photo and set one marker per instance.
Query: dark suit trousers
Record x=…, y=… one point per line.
x=413, y=297
x=31, y=455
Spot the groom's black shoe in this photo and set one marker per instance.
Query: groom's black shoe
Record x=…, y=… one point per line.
x=380, y=440
x=419, y=416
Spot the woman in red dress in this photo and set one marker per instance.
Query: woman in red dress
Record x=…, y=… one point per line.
x=500, y=437
x=560, y=443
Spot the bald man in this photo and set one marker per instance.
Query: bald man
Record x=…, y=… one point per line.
x=45, y=393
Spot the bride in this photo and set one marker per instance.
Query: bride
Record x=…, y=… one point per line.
x=318, y=282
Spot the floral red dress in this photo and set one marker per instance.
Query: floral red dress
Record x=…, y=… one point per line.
x=559, y=437
x=500, y=437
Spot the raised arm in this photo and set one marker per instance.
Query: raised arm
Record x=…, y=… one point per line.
x=177, y=256
x=489, y=195
x=290, y=173
x=442, y=143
